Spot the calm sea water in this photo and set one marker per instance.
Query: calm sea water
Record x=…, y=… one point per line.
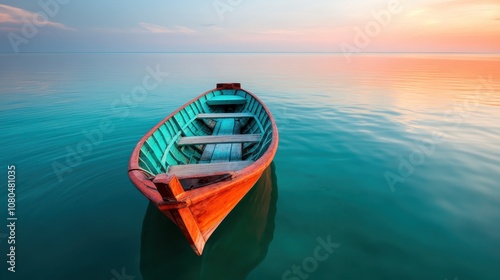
x=393, y=160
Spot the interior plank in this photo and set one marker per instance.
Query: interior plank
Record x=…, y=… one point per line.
x=209, y=149
x=236, y=148
x=219, y=139
x=227, y=100
x=224, y=115
x=222, y=152
x=207, y=169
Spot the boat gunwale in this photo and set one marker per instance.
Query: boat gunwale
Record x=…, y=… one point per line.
x=141, y=181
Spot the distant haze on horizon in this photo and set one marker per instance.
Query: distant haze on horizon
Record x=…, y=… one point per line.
x=250, y=26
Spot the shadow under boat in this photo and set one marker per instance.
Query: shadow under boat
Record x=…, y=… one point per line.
x=239, y=244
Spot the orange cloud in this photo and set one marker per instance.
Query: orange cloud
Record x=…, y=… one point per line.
x=464, y=3
x=460, y=25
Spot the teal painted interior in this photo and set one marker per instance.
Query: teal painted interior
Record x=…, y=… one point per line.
x=162, y=148
x=342, y=124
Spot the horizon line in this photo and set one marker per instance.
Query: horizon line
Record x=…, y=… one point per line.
x=247, y=52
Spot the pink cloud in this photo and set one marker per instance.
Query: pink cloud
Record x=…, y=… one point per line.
x=17, y=16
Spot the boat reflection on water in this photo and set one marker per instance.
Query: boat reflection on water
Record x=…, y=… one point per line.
x=238, y=245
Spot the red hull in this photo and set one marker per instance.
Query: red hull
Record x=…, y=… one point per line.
x=198, y=212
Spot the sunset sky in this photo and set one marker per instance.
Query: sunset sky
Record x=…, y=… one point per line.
x=251, y=26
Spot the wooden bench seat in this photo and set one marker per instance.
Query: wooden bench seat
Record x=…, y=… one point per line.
x=227, y=100
x=219, y=139
x=224, y=115
x=207, y=169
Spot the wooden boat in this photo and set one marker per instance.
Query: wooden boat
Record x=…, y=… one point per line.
x=242, y=239
x=199, y=162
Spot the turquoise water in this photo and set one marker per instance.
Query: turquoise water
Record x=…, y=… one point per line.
x=392, y=160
